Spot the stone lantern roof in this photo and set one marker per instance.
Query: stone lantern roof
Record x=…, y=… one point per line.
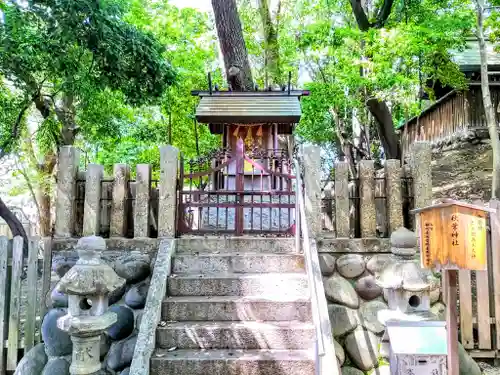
x=403, y=270
x=90, y=275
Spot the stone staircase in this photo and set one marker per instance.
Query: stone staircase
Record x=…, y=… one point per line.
x=236, y=307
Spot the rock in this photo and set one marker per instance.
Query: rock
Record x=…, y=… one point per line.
x=124, y=323
x=117, y=294
x=104, y=346
x=351, y=265
x=132, y=268
x=33, y=362
x=339, y=352
x=58, y=299
x=56, y=366
x=339, y=290
x=377, y=263
x=362, y=348
x=136, y=296
x=434, y=295
x=466, y=365
x=126, y=371
x=439, y=309
x=369, y=315
x=342, y=319
x=385, y=349
x=327, y=264
x=57, y=342
x=121, y=353
x=386, y=295
x=62, y=264
x=351, y=371
x=367, y=288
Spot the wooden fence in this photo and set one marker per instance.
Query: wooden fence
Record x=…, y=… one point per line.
x=22, y=296
x=479, y=299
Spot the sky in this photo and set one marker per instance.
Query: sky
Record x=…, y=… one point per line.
x=203, y=5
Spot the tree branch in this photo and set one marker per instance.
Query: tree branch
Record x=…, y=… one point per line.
x=360, y=15
x=383, y=13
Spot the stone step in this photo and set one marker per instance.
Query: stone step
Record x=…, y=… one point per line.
x=232, y=362
x=236, y=335
x=235, y=308
x=246, y=284
x=230, y=245
x=237, y=263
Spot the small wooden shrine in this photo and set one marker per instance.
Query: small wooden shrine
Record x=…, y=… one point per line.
x=258, y=118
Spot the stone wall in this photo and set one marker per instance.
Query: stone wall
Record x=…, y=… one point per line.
x=132, y=260
x=349, y=267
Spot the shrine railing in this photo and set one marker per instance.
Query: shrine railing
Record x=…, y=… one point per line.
x=240, y=192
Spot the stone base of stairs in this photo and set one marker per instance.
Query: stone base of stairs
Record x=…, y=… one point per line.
x=232, y=362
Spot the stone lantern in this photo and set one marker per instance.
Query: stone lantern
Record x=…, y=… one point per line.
x=409, y=322
x=406, y=284
x=88, y=285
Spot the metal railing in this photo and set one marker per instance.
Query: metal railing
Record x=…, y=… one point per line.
x=326, y=359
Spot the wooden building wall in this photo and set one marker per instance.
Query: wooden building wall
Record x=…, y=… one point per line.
x=454, y=114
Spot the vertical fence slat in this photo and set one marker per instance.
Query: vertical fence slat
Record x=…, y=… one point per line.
x=483, y=309
x=46, y=275
x=4, y=251
x=342, y=215
x=31, y=297
x=495, y=261
x=464, y=285
x=15, y=292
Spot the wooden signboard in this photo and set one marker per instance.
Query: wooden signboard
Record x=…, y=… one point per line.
x=453, y=236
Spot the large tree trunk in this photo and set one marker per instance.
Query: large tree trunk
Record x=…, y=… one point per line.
x=272, y=57
x=387, y=134
x=488, y=106
x=232, y=44
x=44, y=202
x=14, y=224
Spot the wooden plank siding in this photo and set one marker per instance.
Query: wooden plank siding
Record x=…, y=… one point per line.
x=455, y=113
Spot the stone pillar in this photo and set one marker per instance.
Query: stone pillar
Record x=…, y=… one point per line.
x=394, y=199
x=118, y=225
x=169, y=160
x=312, y=177
x=69, y=159
x=367, y=212
x=88, y=285
x=142, y=193
x=92, y=205
x=421, y=171
x=342, y=217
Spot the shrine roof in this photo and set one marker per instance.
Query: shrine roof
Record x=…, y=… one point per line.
x=249, y=107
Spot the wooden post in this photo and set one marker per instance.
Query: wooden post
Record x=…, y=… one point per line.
x=451, y=320
x=240, y=186
x=495, y=264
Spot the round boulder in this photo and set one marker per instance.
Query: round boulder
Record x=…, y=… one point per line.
x=362, y=348
x=339, y=352
x=124, y=323
x=132, y=268
x=136, y=296
x=369, y=316
x=56, y=366
x=367, y=288
x=339, y=290
x=126, y=371
x=351, y=371
x=33, y=362
x=57, y=342
x=58, y=299
x=327, y=264
x=351, y=265
x=62, y=264
x=434, y=295
x=121, y=353
x=377, y=263
x=343, y=319
x=117, y=294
